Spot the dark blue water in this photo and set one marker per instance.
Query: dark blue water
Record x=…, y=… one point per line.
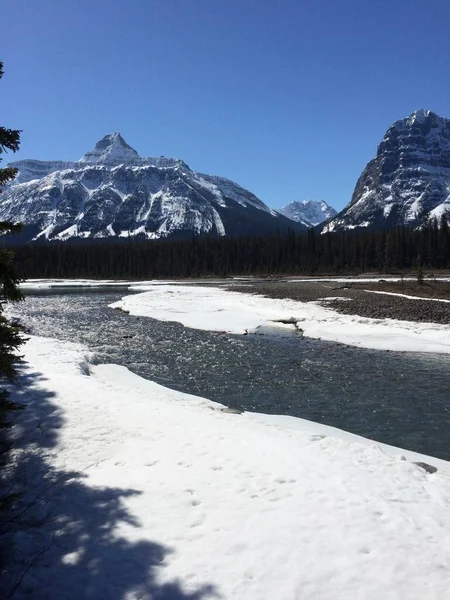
x=397, y=398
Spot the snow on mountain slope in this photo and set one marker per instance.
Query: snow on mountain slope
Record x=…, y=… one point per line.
x=112, y=191
x=409, y=178
x=30, y=169
x=308, y=212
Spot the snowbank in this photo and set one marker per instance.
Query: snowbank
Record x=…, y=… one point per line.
x=238, y=506
x=217, y=309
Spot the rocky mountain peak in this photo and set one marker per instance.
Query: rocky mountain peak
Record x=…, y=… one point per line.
x=308, y=212
x=420, y=122
x=112, y=149
x=407, y=181
x=419, y=116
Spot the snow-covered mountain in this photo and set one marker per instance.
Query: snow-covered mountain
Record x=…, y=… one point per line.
x=409, y=178
x=112, y=191
x=308, y=212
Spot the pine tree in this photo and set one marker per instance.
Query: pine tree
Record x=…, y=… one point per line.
x=10, y=338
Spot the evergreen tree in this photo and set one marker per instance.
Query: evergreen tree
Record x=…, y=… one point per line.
x=10, y=339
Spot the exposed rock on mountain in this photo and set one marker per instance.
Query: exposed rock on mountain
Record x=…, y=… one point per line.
x=408, y=179
x=112, y=191
x=308, y=212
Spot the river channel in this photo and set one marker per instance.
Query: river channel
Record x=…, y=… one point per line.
x=398, y=398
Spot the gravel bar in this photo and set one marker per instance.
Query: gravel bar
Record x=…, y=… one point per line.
x=360, y=302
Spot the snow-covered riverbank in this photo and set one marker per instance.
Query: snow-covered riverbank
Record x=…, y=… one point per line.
x=42, y=284
x=179, y=499
x=218, y=309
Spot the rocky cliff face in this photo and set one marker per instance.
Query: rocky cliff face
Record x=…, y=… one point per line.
x=408, y=179
x=113, y=192
x=308, y=212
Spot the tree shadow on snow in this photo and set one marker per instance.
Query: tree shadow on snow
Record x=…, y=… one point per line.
x=59, y=540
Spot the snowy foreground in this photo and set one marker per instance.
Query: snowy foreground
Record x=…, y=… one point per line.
x=217, y=309
x=180, y=500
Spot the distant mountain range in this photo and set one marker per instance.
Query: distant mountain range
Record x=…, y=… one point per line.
x=407, y=181
x=112, y=192
x=308, y=212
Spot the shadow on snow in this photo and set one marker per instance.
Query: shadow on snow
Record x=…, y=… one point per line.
x=59, y=539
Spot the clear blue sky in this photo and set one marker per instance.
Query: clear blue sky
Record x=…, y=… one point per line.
x=289, y=98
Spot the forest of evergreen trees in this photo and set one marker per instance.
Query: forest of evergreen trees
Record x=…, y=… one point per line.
x=399, y=249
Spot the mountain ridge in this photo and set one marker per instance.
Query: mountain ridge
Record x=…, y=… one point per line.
x=113, y=192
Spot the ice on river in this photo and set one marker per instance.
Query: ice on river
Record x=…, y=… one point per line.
x=217, y=309
x=181, y=499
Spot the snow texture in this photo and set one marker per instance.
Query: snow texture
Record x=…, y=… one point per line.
x=217, y=309
x=177, y=498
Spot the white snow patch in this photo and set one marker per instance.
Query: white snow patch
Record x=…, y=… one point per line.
x=406, y=296
x=442, y=209
x=387, y=210
x=217, y=309
x=362, y=224
x=415, y=207
x=69, y=232
x=45, y=232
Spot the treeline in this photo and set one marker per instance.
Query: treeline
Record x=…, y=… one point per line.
x=399, y=249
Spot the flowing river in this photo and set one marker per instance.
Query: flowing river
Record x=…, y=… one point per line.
x=401, y=399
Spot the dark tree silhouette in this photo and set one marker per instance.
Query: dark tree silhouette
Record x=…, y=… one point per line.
x=10, y=338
